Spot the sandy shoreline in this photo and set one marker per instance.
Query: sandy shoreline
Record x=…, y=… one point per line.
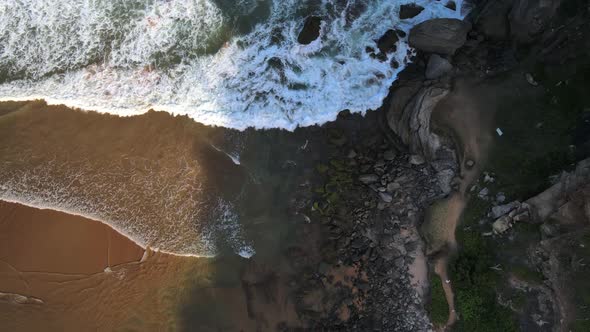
x=54, y=242
x=62, y=272
x=52, y=263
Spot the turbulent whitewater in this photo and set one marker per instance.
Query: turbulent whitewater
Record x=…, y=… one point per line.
x=229, y=63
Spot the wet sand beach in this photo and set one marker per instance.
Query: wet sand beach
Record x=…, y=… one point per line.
x=46, y=241
x=52, y=274
x=60, y=272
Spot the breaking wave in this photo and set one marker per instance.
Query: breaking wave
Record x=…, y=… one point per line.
x=226, y=63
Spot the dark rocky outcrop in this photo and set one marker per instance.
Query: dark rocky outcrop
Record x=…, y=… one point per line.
x=528, y=18
x=409, y=116
x=409, y=11
x=443, y=35
x=310, y=31
x=554, y=199
x=492, y=21
x=387, y=42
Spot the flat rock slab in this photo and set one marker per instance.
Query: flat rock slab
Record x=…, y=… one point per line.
x=441, y=35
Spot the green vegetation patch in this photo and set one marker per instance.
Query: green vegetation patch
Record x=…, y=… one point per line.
x=581, y=284
x=338, y=180
x=540, y=131
x=474, y=282
x=438, y=307
x=527, y=274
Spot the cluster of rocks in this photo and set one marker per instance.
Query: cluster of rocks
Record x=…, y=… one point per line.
x=375, y=231
x=506, y=215
x=552, y=204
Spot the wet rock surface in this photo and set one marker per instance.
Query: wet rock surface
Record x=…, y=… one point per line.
x=310, y=31
x=443, y=35
x=386, y=43
x=409, y=11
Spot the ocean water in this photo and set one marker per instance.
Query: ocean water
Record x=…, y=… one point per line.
x=231, y=63
x=228, y=63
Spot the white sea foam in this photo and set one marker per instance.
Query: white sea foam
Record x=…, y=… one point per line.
x=235, y=157
x=153, y=55
x=227, y=232
x=155, y=207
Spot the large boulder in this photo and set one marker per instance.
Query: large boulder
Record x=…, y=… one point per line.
x=409, y=116
x=545, y=204
x=528, y=18
x=310, y=31
x=440, y=35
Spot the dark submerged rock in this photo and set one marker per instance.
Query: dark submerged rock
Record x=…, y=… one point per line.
x=409, y=11
x=387, y=42
x=310, y=31
x=451, y=5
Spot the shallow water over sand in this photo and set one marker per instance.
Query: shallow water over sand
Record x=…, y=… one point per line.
x=166, y=182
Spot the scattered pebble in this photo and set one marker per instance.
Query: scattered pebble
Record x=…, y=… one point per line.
x=483, y=194
x=416, y=159
x=387, y=198
x=529, y=78
x=389, y=155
